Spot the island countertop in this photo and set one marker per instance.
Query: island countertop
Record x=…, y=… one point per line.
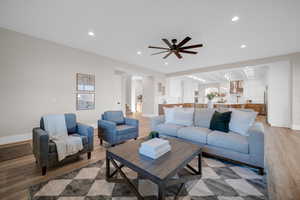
x=258, y=107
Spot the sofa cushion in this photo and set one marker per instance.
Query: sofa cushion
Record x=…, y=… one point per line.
x=203, y=117
x=241, y=121
x=231, y=141
x=179, y=116
x=183, y=117
x=196, y=134
x=168, y=129
x=220, y=121
x=125, y=129
x=169, y=114
x=114, y=116
x=52, y=145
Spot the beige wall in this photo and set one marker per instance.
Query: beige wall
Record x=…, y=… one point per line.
x=148, y=96
x=39, y=77
x=279, y=94
x=295, y=62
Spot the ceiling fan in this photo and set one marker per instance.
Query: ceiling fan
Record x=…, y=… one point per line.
x=175, y=48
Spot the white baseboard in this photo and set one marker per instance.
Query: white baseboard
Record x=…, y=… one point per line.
x=280, y=125
x=15, y=138
x=149, y=115
x=295, y=127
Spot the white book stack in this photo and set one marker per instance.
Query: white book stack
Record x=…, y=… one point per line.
x=155, y=148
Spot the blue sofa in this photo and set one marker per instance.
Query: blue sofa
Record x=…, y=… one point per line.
x=44, y=149
x=114, y=128
x=230, y=146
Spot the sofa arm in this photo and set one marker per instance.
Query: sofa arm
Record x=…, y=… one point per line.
x=88, y=131
x=132, y=122
x=108, y=130
x=155, y=121
x=40, y=146
x=107, y=125
x=257, y=143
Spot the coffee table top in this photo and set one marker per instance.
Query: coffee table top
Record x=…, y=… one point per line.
x=159, y=169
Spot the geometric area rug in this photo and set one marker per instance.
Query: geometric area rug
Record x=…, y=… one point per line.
x=220, y=181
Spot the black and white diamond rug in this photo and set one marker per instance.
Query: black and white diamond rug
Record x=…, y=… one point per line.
x=220, y=181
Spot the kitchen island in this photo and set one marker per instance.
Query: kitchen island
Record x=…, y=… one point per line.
x=258, y=107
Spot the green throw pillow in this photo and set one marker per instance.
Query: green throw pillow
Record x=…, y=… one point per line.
x=220, y=121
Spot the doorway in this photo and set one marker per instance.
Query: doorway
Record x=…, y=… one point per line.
x=119, y=90
x=137, y=94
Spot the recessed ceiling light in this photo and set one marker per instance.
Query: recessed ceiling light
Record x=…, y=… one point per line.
x=139, y=53
x=235, y=18
x=91, y=33
x=166, y=63
x=243, y=46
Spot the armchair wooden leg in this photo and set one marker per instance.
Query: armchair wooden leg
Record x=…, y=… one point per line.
x=89, y=155
x=44, y=171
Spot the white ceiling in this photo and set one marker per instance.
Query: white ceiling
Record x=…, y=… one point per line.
x=244, y=73
x=267, y=27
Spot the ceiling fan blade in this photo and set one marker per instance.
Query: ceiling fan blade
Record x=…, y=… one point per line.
x=152, y=47
x=168, y=43
x=159, y=53
x=183, y=42
x=167, y=55
x=192, y=46
x=178, y=54
x=190, y=52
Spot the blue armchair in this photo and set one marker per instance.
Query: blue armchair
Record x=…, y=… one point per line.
x=44, y=149
x=114, y=128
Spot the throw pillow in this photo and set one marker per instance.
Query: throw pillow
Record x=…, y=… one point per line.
x=183, y=117
x=169, y=114
x=179, y=116
x=203, y=117
x=115, y=116
x=220, y=121
x=241, y=121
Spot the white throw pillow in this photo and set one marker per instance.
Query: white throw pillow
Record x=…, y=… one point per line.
x=179, y=116
x=169, y=115
x=241, y=121
x=183, y=117
x=203, y=117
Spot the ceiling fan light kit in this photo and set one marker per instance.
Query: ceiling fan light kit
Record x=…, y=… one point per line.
x=177, y=49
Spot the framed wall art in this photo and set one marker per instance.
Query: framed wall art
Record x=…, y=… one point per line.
x=85, y=91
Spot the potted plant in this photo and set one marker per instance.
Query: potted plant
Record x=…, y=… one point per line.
x=210, y=97
x=153, y=134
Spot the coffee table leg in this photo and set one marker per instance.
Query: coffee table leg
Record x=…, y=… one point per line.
x=161, y=192
x=129, y=183
x=199, y=163
x=107, y=168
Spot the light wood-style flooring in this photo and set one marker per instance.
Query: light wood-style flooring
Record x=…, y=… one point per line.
x=282, y=160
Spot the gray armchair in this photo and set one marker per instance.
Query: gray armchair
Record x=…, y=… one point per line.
x=44, y=149
x=114, y=128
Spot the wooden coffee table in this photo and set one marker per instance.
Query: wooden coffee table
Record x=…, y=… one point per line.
x=160, y=171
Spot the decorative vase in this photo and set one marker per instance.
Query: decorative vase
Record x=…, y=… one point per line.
x=210, y=104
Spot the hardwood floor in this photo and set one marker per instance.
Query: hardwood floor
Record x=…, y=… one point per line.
x=282, y=160
x=18, y=174
x=283, y=163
